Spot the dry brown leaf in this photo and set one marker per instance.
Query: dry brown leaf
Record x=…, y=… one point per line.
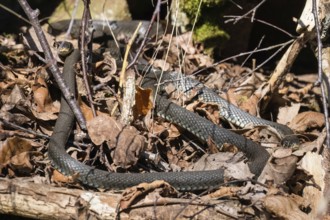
x=211, y=111
x=143, y=103
x=16, y=96
x=232, y=163
x=132, y=194
x=20, y=163
x=307, y=120
x=125, y=139
x=162, y=64
x=104, y=128
x=312, y=163
x=248, y=104
x=280, y=169
x=128, y=148
x=286, y=114
x=60, y=178
x=41, y=95
x=13, y=146
x=285, y=207
x=223, y=192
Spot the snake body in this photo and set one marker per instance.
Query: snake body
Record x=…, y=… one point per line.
x=197, y=125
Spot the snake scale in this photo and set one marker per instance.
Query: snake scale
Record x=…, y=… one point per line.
x=197, y=125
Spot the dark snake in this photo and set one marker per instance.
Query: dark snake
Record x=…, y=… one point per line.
x=197, y=125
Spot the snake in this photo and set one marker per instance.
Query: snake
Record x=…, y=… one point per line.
x=199, y=126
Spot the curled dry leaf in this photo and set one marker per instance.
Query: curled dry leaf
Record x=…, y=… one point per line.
x=20, y=163
x=143, y=102
x=128, y=149
x=312, y=163
x=13, y=146
x=286, y=114
x=107, y=67
x=15, y=152
x=131, y=194
x=41, y=95
x=125, y=139
x=279, y=169
x=285, y=207
x=45, y=108
x=307, y=120
x=232, y=163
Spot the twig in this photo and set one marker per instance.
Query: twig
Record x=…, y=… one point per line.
x=233, y=18
x=129, y=88
x=244, y=54
x=15, y=126
x=320, y=77
x=51, y=63
x=283, y=66
x=14, y=13
x=252, y=11
x=156, y=12
x=84, y=33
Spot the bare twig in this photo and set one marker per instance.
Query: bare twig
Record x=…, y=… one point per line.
x=234, y=17
x=51, y=63
x=85, y=34
x=319, y=63
x=252, y=11
x=15, y=126
x=283, y=66
x=14, y=13
x=155, y=14
x=244, y=54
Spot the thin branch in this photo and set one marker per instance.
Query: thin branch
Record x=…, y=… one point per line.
x=14, y=13
x=252, y=11
x=85, y=34
x=51, y=63
x=244, y=54
x=320, y=77
x=233, y=19
x=155, y=14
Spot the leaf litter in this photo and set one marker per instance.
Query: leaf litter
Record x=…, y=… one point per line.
x=35, y=99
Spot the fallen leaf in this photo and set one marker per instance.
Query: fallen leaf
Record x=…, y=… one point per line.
x=232, y=163
x=104, y=128
x=131, y=195
x=286, y=114
x=313, y=192
x=13, y=146
x=41, y=95
x=128, y=148
x=143, y=102
x=279, y=169
x=307, y=120
x=285, y=207
x=125, y=140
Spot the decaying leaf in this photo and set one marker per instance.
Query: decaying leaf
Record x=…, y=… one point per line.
x=232, y=163
x=125, y=140
x=15, y=152
x=131, y=194
x=281, y=167
x=287, y=207
x=307, y=120
x=143, y=102
x=312, y=163
x=286, y=114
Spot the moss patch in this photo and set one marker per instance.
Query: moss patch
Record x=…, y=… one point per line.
x=208, y=26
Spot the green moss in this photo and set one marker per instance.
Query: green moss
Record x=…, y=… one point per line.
x=211, y=35
x=191, y=6
x=208, y=26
